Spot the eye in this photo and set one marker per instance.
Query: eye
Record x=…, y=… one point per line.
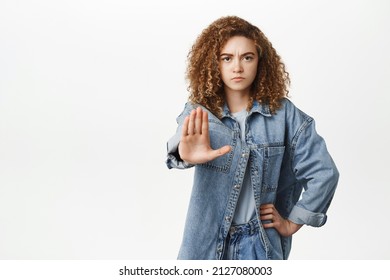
x=226, y=58
x=248, y=58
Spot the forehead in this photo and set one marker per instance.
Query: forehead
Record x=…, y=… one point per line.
x=238, y=44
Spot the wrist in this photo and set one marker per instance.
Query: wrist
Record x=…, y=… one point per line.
x=294, y=227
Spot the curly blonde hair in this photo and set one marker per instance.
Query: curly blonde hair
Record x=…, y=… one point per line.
x=205, y=84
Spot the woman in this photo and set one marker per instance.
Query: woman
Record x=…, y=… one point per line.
x=254, y=152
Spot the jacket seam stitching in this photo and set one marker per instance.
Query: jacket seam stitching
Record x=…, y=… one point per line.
x=308, y=121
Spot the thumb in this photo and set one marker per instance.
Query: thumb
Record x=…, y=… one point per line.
x=220, y=152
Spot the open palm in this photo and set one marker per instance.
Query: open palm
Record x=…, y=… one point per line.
x=195, y=145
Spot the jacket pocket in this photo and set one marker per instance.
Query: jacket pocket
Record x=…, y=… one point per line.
x=273, y=157
x=219, y=137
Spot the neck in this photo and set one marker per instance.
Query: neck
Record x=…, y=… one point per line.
x=237, y=100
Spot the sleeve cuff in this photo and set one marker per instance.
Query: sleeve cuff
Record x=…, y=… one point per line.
x=301, y=216
x=173, y=161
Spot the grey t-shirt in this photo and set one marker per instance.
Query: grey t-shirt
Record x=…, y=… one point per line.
x=245, y=209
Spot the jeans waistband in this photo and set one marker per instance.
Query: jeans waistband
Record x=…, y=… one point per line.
x=249, y=228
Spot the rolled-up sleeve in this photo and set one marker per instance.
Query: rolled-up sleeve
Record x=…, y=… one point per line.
x=316, y=172
x=301, y=216
x=173, y=158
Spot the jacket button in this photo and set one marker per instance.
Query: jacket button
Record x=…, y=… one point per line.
x=228, y=218
x=237, y=186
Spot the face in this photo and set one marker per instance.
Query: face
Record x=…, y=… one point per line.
x=238, y=64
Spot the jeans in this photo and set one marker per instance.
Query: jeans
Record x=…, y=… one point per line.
x=243, y=242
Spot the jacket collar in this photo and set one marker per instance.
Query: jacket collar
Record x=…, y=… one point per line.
x=257, y=107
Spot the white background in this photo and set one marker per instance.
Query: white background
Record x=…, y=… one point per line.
x=89, y=93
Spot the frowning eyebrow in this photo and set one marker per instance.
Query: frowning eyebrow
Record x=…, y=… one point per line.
x=244, y=54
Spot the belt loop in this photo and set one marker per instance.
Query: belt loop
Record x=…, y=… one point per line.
x=253, y=225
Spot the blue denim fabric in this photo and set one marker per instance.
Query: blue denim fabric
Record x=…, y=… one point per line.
x=285, y=156
x=243, y=243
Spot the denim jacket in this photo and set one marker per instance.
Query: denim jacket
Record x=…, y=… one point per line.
x=289, y=165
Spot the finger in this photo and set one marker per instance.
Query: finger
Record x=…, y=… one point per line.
x=267, y=206
x=220, y=152
x=205, y=123
x=268, y=225
x=191, y=124
x=266, y=211
x=224, y=150
x=198, y=121
x=266, y=217
x=184, y=130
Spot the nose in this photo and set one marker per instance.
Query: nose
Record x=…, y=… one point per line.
x=237, y=67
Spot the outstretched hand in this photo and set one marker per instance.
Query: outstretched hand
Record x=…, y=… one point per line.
x=194, y=145
x=283, y=226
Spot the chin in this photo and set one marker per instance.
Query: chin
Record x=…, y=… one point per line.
x=240, y=88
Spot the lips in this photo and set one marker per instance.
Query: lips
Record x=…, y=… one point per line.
x=238, y=79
